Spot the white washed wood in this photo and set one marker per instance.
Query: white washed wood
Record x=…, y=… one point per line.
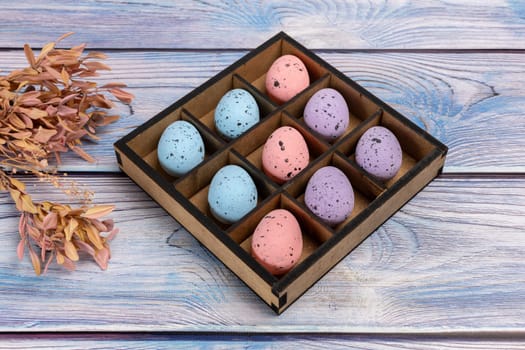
x=470, y=101
x=451, y=261
x=333, y=24
x=252, y=342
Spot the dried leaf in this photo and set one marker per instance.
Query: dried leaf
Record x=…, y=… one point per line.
x=122, y=95
x=82, y=154
x=29, y=55
x=63, y=36
x=71, y=228
x=71, y=251
x=35, y=261
x=43, y=135
x=27, y=204
x=50, y=221
x=45, y=50
x=94, y=237
x=60, y=258
x=18, y=184
x=102, y=258
x=20, y=249
x=93, y=66
x=98, y=211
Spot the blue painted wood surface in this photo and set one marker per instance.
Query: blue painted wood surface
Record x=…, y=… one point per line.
x=446, y=271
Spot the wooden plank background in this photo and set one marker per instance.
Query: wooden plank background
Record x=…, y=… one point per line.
x=446, y=271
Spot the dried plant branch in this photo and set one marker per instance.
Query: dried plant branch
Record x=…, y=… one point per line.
x=46, y=109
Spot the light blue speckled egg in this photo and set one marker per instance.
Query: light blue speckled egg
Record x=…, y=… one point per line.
x=180, y=148
x=236, y=112
x=232, y=194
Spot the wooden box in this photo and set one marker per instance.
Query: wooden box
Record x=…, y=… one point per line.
x=185, y=198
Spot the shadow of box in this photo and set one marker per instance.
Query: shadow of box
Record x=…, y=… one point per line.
x=185, y=198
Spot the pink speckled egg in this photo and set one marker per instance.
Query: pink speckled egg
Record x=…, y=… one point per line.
x=286, y=77
x=326, y=113
x=277, y=242
x=329, y=195
x=379, y=153
x=284, y=154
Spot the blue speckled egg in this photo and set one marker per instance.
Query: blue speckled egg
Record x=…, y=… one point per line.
x=180, y=148
x=232, y=194
x=236, y=112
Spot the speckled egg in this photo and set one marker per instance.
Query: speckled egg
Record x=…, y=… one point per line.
x=329, y=195
x=284, y=154
x=180, y=148
x=379, y=153
x=232, y=194
x=236, y=112
x=326, y=113
x=286, y=77
x=277, y=242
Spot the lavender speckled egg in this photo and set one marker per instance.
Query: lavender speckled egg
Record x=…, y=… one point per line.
x=329, y=195
x=180, y=148
x=236, y=112
x=277, y=242
x=232, y=194
x=379, y=153
x=326, y=113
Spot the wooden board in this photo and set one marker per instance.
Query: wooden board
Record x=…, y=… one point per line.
x=450, y=261
x=330, y=24
x=253, y=341
x=472, y=102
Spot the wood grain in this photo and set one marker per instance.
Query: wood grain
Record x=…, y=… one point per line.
x=251, y=342
x=472, y=101
x=450, y=261
x=330, y=24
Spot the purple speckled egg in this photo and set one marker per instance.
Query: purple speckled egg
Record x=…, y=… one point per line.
x=379, y=153
x=329, y=195
x=326, y=113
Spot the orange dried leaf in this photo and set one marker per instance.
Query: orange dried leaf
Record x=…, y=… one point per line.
x=50, y=221
x=98, y=211
x=122, y=95
x=71, y=251
x=35, y=261
x=60, y=258
x=43, y=135
x=45, y=50
x=63, y=36
x=18, y=184
x=71, y=228
x=29, y=55
x=94, y=237
x=93, y=66
x=27, y=204
x=97, y=55
x=82, y=154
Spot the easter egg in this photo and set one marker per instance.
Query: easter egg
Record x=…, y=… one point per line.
x=236, y=112
x=327, y=114
x=180, y=148
x=379, y=153
x=329, y=195
x=232, y=194
x=285, y=154
x=286, y=77
x=277, y=242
